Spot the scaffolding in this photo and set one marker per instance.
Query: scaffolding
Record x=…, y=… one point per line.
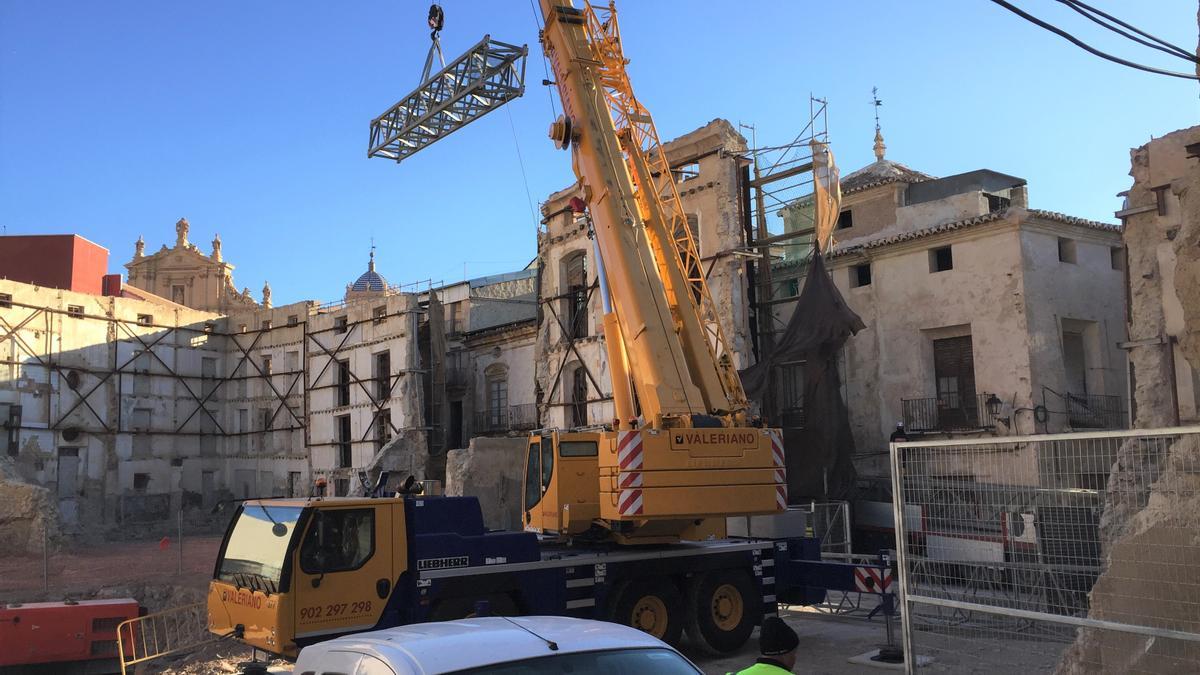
x=779, y=220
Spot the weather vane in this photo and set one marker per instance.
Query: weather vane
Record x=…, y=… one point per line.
x=875, y=100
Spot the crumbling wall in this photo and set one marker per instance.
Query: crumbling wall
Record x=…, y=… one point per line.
x=1150, y=528
x=28, y=515
x=490, y=469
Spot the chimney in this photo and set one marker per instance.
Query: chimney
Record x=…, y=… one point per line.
x=110, y=284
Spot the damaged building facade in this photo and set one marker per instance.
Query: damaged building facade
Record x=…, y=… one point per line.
x=129, y=407
x=573, y=384
x=983, y=316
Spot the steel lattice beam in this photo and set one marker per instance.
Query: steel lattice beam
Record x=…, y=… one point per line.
x=489, y=75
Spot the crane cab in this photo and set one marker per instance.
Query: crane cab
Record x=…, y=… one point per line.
x=293, y=570
x=651, y=485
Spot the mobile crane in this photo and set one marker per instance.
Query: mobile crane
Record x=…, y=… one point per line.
x=626, y=523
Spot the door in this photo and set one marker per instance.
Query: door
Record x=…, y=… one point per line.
x=954, y=372
x=68, y=484
x=454, y=438
x=344, y=570
x=540, y=507
x=208, y=488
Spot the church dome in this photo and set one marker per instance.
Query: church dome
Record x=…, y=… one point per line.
x=370, y=281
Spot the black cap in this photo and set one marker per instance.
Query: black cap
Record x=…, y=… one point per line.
x=776, y=637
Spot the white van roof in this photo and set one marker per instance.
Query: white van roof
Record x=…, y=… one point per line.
x=448, y=646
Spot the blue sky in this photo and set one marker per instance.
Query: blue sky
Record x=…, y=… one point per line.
x=250, y=118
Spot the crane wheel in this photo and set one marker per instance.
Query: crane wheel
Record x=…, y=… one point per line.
x=723, y=606
x=651, y=605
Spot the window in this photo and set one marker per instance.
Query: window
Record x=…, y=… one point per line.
x=533, y=487
x=266, y=324
x=383, y=427
x=208, y=376
x=341, y=487
x=383, y=376
x=141, y=483
x=497, y=401
x=547, y=464
x=1066, y=250
x=75, y=311
x=293, y=361
x=243, y=429
x=575, y=292
x=340, y=324
x=954, y=376
x=241, y=328
x=941, y=259
x=845, y=219
x=1116, y=256
x=338, y=540
x=141, y=373
x=264, y=416
x=345, y=456
x=577, y=449
x=145, y=319
x=5, y=299
x=1160, y=198
x=177, y=294
x=860, y=275
x=1075, y=362
x=295, y=484
x=579, y=395
x=343, y=382
x=266, y=364
x=686, y=172
x=996, y=202
x=379, y=314
x=293, y=320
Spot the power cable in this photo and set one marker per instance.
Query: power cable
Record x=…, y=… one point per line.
x=537, y=23
x=1086, y=47
x=1163, y=46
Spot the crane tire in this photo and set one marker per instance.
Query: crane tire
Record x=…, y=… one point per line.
x=651, y=605
x=723, y=607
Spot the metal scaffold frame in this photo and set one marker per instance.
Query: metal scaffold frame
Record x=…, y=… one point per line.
x=75, y=383
x=488, y=75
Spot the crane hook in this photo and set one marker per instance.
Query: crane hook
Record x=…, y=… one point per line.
x=437, y=20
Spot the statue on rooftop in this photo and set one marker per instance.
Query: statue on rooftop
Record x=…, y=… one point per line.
x=266, y=295
x=181, y=233
x=216, y=250
x=139, y=247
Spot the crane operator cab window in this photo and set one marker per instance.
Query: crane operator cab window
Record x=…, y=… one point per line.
x=338, y=540
x=255, y=549
x=539, y=469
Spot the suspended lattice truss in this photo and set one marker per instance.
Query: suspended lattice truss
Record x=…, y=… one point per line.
x=486, y=77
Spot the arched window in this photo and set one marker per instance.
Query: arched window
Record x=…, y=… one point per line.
x=579, y=397
x=574, y=292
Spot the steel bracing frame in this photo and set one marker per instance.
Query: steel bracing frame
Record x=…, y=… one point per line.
x=487, y=76
x=290, y=404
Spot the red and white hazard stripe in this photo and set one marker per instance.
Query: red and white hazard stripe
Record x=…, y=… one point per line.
x=630, y=503
x=777, y=448
x=780, y=470
x=629, y=478
x=629, y=450
x=872, y=579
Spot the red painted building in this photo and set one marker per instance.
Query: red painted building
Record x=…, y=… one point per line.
x=66, y=261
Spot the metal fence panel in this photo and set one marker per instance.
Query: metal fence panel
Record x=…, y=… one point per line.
x=1067, y=553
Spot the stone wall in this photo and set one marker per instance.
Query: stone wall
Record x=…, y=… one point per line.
x=491, y=469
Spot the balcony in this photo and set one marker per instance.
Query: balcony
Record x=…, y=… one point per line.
x=949, y=413
x=504, y=420
x=1095, y=412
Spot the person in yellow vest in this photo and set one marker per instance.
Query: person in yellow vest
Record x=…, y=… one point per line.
x=777, y=643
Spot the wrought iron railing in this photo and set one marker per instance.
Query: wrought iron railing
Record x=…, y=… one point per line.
x=1095, y=411
x=503, y=420
x=949, y=412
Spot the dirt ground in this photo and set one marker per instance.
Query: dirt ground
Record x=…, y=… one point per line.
x=85, y=570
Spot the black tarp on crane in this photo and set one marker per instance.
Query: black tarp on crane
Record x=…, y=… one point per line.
x=820, y=449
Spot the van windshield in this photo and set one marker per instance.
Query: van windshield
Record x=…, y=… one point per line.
x=256, y=547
